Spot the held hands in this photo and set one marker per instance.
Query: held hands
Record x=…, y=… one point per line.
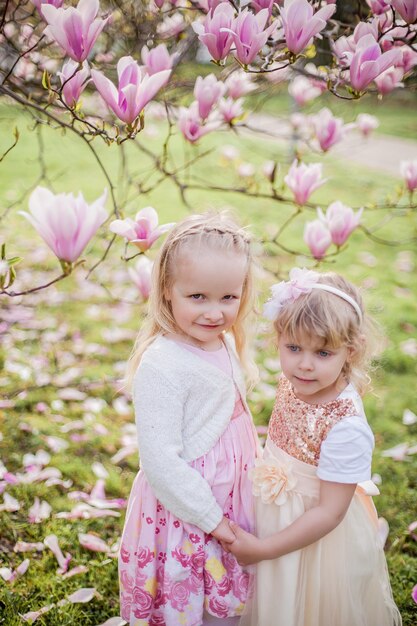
x=247, y=548
x=223, y=533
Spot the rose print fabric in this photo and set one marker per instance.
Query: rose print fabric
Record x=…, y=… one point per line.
x=171, y=571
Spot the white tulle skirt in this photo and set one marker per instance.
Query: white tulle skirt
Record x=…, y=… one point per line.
x=341, y=580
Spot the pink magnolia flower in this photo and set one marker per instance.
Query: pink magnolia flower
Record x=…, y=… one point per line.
x=207, y=92
x=215, y=33
x=258, y=5
x=208, y=5
x=303, y=90
x=39, y=4
x=301, y=23
x=378, y=6
x=74, y=82
x=143, y=231
x=231, y=110
x=141, y=276
x=408, y=59
x=389, y=80
x=303, y=179
x=238, y=84
x=366, y=123
x=365, y=28
x=157, y=59
x=171, y=26
x=341, y=221
x=414, y=593
x=343, y=48
x=368, y=62
x=328, y=129
x=250, y=34
x=407, y=9
x=134, y=91
x=74, y=29
x=409, y=173
x=393, y=34
x=66, y=223
x=317, y=237
x=191, y=125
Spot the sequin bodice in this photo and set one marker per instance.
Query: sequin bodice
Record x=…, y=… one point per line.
x=299, y=428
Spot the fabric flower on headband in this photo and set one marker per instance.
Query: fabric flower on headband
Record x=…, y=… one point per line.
x=301, y=282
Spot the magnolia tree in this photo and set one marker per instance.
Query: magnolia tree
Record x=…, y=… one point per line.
x=99, y=69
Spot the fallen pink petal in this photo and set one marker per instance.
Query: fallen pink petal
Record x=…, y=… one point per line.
x=82, y=595
x=32, y=616
x=113, y=621
x=92, y=542
x=51, y=542
x=412, y=529
x=383, y=530
x=75, y=571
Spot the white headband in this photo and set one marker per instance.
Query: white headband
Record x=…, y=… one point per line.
x=341, y=294
x=301, y=281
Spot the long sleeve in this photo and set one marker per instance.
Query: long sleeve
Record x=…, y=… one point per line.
x=159, y=410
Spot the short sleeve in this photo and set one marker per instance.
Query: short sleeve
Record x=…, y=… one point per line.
x=346, y=453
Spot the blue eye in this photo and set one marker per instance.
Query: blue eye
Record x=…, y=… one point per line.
x=229, y=297
x=293, y=348
x=196, y=296
x=324, y=353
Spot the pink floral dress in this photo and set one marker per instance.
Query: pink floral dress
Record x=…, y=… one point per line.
x=171, y=571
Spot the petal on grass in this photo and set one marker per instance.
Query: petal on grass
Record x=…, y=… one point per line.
x=80, y=569
x=383, y=531
x=32, y=616
x=398, y=453
x=409, y=417
x=85, y=594
x=92, y=542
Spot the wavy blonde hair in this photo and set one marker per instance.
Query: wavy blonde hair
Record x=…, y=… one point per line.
x=326, y=316
x=216, y=232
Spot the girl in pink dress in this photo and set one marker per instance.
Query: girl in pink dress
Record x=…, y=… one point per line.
x=322, y=563
x=196, y=438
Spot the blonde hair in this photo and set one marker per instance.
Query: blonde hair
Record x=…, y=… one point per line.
x=332, y=319
x=216, y=231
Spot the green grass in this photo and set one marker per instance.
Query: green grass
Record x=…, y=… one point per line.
x=67, y=335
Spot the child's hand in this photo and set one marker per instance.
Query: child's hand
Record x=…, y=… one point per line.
x=223, y=532
x=247, y=548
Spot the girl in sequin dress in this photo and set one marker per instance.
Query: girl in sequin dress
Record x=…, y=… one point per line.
x=196, y=438
x=321, y=561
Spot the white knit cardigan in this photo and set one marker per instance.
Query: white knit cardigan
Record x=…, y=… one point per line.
x=182, y=404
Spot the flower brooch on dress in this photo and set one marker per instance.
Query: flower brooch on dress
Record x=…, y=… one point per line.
x=272, y=480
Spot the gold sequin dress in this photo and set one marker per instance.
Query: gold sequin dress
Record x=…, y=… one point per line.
x=340, y=580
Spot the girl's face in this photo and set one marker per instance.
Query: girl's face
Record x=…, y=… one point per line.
x=314, y=370
x=205, y=294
